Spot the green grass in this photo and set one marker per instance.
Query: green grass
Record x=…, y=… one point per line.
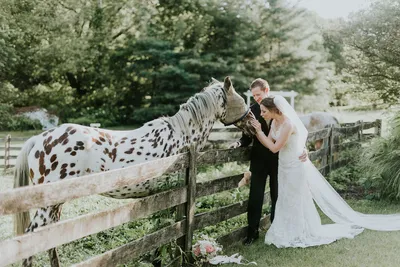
x=371, y=248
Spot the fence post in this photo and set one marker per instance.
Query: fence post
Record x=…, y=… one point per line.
x=191, y=198
x=361, y=132
x=187, y=210
x=331, y=146
x=378, y=127
x=7, y=145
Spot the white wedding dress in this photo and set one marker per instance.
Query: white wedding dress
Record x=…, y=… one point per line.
x=297, y=222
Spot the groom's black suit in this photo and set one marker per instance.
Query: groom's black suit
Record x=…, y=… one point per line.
x=262, y=163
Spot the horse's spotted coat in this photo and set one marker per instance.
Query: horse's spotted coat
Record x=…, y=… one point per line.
x=72, y=150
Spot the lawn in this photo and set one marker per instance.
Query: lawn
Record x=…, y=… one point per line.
x=371, y=248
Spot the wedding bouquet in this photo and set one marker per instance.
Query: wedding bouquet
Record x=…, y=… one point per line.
x=206, y=252
x=206, y=249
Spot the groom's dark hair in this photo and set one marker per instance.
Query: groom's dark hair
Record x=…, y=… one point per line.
x=263, y=84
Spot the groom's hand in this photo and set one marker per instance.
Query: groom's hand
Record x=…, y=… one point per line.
x=303, y=157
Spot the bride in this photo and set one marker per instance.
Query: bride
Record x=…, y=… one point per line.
x=297, y=222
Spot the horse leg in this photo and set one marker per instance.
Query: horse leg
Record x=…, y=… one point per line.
x=45, y=216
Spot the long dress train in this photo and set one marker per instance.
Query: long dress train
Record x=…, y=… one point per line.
x=297, y=222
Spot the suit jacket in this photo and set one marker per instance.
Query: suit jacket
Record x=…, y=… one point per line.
x=260, y=157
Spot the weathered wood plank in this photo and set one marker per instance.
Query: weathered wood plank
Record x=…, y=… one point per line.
x=134, y=249
x=224, y=213
x=19, y=139
x=347, y=130
x=240, y=233
x=378, y=127
x=221, y=142
x=368, y=125
x=25, y=198
x=223, y=156
x=50, y=236
x=318, y=135
x=314, y=155
x=221, y=214
x=218, y=185
x=15, y=148
x=8, y=157
x=346, y=145
x=226, y=130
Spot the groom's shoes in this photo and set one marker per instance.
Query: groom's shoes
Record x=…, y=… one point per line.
x=250, y=239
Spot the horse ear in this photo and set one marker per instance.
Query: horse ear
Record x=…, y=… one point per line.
x=227, y=83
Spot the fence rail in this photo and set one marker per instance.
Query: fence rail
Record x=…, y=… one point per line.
x=182, y=198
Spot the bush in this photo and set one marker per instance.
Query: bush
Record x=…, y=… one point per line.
x=22, y=123
x=380, y=164
x=105, y=116
x=347, y=179
x=142, y=115
x=10, y=122
x=5, y=116
x=56, y=98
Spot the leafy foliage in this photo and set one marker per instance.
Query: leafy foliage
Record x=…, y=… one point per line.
x=11, y=122
x=381, y=163
x=372, y=49
x=127, y=62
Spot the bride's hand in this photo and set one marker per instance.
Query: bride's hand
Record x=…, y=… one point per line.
x=303, y=157
x=256, y=124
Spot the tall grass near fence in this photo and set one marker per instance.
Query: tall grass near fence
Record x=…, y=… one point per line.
x=381, y=163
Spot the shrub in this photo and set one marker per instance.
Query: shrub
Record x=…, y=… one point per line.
x=22, y=123
x=5, y=116
x=10, y=122
x=380, y=163
x=347, y=178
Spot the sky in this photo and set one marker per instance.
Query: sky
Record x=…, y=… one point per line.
x=330, y=9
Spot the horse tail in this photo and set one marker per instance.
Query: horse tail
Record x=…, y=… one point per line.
x=21, y=178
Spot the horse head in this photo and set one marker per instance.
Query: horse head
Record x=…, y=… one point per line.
x=236, y=110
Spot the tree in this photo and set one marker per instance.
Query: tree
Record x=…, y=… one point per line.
x=373, y=49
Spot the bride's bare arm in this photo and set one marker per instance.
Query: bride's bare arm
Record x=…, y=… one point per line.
x=286, y=131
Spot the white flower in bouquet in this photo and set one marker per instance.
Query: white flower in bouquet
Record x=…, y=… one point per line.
x=207, y=250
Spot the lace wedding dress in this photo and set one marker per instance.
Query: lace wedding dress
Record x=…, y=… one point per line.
x=297, y=222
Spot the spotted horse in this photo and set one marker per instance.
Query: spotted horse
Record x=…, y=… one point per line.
x=72, y=150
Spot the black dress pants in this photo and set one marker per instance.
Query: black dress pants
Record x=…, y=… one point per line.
x=256, y=196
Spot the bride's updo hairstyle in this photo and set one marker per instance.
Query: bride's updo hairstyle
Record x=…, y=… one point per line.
x=268, y=102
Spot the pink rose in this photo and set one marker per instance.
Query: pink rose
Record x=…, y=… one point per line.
x=196, y=251
x=209, y=248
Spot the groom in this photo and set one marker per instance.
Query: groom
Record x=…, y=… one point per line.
x=263, y=163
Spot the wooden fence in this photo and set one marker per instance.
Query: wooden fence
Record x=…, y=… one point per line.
x=335, y=139
x=183, y=198
x=9, y=150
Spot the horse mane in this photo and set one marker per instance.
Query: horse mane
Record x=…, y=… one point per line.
x=198, y=107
